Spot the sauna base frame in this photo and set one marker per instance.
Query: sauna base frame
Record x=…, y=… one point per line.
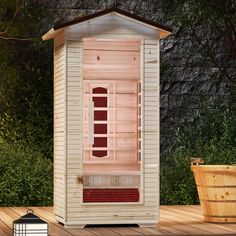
x=78, y=224
x=140, y=224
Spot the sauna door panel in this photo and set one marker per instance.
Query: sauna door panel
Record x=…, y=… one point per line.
x=112, y=120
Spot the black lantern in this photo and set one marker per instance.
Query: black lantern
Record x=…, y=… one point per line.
x=30, y=225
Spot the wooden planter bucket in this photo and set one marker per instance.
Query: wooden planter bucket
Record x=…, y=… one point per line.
x=216, y=185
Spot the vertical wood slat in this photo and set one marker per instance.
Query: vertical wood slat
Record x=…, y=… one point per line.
x=151, y=57
x=59, y=129
x=74, y=122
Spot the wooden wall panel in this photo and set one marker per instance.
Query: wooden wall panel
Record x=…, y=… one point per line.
x=74, y=122
x=59, y=129
x=111, y=45
x=112, y=59
x=151, y=122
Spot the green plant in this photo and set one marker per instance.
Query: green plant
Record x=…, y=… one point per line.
x=212, y=135
x=26, y=176
x=26, y=67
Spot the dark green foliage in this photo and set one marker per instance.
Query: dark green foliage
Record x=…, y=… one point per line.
x=212, y=135
x=26, y=177
x=25, y=76
x=26, y=101
x=26, y=90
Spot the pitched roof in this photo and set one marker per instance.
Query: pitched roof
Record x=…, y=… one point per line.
x=60, y=25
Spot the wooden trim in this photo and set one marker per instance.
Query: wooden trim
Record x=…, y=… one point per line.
x=159, y=123
x=54, y=141
x=65, y=125
x=142, y=67
x=82, y=113
x=164, y=32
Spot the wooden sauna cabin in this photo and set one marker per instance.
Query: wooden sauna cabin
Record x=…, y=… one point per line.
x=106, y=119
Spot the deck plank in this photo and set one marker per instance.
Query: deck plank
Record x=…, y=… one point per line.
x=48, y=216
x=8, y=216
x=165, y=226
x=196, y=224
x=4, y=229
x=174, y=220
x=197, y=220
x=125, y=231
x=151, y=231
x=103, y=231
x=81, y=232
x=197, y=210
x=188, y=227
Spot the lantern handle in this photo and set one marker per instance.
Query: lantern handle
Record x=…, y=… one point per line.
x=30, y=211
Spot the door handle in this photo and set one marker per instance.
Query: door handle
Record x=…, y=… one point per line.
x=80, y=179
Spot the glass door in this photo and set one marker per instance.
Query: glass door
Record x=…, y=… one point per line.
x=112, y=120
x=112, y=138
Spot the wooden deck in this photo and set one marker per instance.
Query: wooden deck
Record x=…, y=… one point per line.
x=174, y=220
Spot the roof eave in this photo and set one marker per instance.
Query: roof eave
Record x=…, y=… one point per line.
x=50, y=34
x=164, y=34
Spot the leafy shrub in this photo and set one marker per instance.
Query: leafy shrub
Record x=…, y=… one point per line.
x=26, y=72
x=25, y=176
x=212, y=135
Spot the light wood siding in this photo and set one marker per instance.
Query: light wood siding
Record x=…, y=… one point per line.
x=74, y=124
x=79, y=213
x=59, y=129
x=151, y=123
